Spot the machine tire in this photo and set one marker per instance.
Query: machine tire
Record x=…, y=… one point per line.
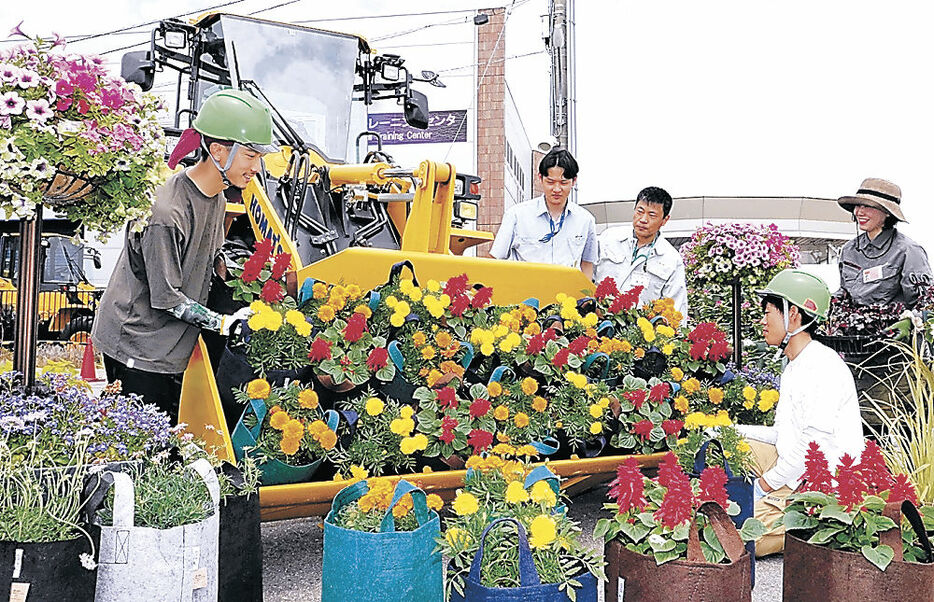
x=78, y=330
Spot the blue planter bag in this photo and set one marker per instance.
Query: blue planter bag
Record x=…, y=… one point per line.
x=275, y=472
x=739, y=489
x=531, y=588
x=388, y=566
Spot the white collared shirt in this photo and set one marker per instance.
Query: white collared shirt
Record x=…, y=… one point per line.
x=817, y=402
x=660, y=271
x=525, y=225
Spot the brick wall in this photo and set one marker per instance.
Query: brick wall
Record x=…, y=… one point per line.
x=491, y=123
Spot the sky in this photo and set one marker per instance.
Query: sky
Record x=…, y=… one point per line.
x=725, y=97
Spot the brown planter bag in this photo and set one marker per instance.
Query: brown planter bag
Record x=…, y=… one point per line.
x=691, y=580
x=815, y=572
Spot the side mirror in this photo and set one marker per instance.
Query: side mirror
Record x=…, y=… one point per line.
x=416, y=110
x=138, y=68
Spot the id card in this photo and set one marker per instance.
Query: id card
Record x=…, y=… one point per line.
x=872, y=274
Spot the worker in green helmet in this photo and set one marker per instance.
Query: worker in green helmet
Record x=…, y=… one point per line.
x=152, y=312
x=817, y=400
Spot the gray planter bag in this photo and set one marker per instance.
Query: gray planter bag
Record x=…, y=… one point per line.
x=142, y=563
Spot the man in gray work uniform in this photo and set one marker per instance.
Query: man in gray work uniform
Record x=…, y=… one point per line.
x=152, y=312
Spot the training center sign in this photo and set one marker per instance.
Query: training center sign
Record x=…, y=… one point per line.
x=443, y=126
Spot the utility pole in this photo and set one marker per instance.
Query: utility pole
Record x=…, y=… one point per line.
x=559, y=40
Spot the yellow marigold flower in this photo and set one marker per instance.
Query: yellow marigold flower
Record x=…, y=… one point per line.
x=749, y=393
x=279, y=420
x=501, y=412
x=367, y=503
x=648, y=331
x=432, y=377
x=532, y=329
x=494, y=389
x=303, y=329
x=354, y=291
x=576, y=379
x=500, y=330
x=529, y=385
x=444, y=339
x=465, y=504
x=668, y=348
x=473, y=462
x=604, y=402
x=695, y=420
x=516, y=493
x=665, y=330
x=293, y=429
x=317, y=427
x=542, y=493
x=398, y=511
x=327, y=439
x=420, y=441
x=434, y=501
x=595, y=410
x=639, y=353
x=326, y=313
x=255, y=322
x=521, y=420
x=364, y=309
x=626, y=347
x=681, y=404
x=419, y=338
x=715, y=395
x=294, y=317
x=526, y=451
x=766, y=403
x=596, y=428
x=743, y=446
x=406, y=286
x=397, y=319
x=722, y=419
x=415, y=294
x=289, y=446
x=428, y=352
x=319, y=290
x=402, y=426
x=391, y=302
x=374, y=406
x=539, y=404
x=749, y=404
x=677, y=374
x=258, y=388
x=258, y=307
x=503, y=449
x=407, y=445
x=691, y=385
x=590, y=320
x=358, y=472
x=542, y=531
x=457, y=538
x=487, y=349
x=406, y=411
x=308, y=398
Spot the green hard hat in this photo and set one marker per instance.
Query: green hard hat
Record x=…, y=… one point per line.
x=807, y=291
x=237, y=116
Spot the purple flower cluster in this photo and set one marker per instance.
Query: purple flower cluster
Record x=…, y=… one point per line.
x=726, y=252
x=117, y=427
x=846, y=318
x=757, y=377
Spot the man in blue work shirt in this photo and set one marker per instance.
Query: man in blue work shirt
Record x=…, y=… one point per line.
x=643, y=257
x=549, y=229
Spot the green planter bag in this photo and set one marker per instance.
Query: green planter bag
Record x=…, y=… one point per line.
x=387, y=566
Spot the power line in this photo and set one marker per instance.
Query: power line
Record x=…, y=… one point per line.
x=504, y=59
x=418, y=14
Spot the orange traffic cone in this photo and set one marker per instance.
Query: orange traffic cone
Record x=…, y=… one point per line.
x=88, y=369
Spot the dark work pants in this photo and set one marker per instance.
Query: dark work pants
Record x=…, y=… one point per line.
x=163, y=390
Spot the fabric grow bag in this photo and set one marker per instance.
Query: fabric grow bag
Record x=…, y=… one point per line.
x=633, y=577
x=48, y=570
x=275, y=472
x=815, y=572
x=240, y=566
x=143, y=563
x=531, y=588
x=382, y=567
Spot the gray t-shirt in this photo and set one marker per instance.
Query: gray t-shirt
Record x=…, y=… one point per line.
x=169, y=260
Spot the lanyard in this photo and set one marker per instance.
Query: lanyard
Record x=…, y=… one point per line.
x=648, y=249
x=551, y=224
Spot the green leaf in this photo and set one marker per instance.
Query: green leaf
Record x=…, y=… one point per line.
x=665, y=545
x=681, y=532
x=634, y=531
x=796, y=520
x=647, y=519
x=752, y=529
x=874, y=503
x=663, y=557
x=710, y=554
x=880, y=556
x=813, y=498
x=837, y=512
x=824, y=535
x=601, y=528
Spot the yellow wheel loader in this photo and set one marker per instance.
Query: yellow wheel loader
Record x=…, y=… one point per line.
x=340, y=220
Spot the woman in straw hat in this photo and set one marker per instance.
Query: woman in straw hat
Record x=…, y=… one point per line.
x=881, y=265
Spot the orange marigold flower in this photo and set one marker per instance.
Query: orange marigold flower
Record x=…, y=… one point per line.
x=521, y=420
x=434, y=501
x=308, y=399
x=326, y=313
x=539, y=404
x=294, y=429
x=494, y=389
x=428, y=352
x=418, y=339
x=327, y=439
x=640, y=353
x=529, y=385
x=317, y=427
x=443, y=339
x=258, y=388
x=715, y=395
x=289, y=445
x=279, y=420
x=501, y=413
x=532, y=329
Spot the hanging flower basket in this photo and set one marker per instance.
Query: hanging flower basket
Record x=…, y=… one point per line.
x=67, y=188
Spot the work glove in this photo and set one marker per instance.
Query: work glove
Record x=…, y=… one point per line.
x=229, y=321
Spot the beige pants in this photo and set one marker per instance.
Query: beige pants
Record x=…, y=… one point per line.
x=770, y=508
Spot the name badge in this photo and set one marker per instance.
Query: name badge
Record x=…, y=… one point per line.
x=872, y=274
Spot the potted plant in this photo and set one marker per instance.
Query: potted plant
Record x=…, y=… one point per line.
x=383, y=435
x=645, y=416
x=345, y=354
x=76, y=138
x=580, y=412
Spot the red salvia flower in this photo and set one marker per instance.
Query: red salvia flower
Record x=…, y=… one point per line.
x=263, y=248
x=698, y=350
x=535, y=345
x=550, y=334
x=606, y=288
x=456, y=286
x=637, y=397
x=628, y=488
x=668, y=469
x=902, y=490
x=479, y=440
x=626, y=301
x=479, y=408
x=873, y=470
x=447, y=436
x=459, y=305
x=816, y=475
x=850, y=485
x=356, y=326
x=282, y=263
x=704, y=332
x=272, y=292
x=678, y=503
x=578, y=345
x=660, y=392
x=447, y=427
x=713, y=486
x=377, y=359
x=320, y=350
x=643, y=428
x=482, y=297
x=672, y=427
x=447, y=398
x=251, y=269
x=561, y=358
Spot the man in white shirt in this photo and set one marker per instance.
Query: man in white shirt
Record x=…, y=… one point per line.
x=643, y=257
x=549, y=229
x=817, y=400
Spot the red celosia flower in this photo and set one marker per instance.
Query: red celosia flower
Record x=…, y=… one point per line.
x=356, y=326
x=627, y=489
x=672, y=427
x=578, y=345
x=902, y=490
x=263, y=248
x=459, y=305
x=479, y=440
x=282, y=263
x=272, y=292
x=626, y=301
x=456, y=286
x=660, y=392
x=850, y=485
x=698, y=350
x=637, y=397
x=535, y=345
x=561, y=358
x=606, y=288
x=377, y=359
x=643, y=428
x=447, y=436
x=872, y=469
x=678, y=503
x=251, y=270
x=482, y=297
x=718, y=351
x=447, y=429
x=320, y=350
x=816, y=475
x=713, y=486
x=479, y=408
x=447, y=398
